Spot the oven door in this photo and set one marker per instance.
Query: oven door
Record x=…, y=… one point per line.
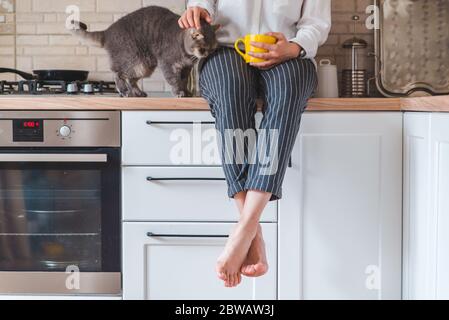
x=60, y=221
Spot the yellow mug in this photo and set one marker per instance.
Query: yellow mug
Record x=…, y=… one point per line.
x=249, y=48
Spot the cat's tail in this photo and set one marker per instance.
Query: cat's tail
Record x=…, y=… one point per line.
x=96, y=38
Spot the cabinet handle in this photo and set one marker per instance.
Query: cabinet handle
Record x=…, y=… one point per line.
x=290, y=163
x=157, y=235
x=149, y=122
x=151, y=179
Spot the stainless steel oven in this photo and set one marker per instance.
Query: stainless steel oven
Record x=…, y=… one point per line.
x=60, y=202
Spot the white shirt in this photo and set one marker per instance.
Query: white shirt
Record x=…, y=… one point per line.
x=306, y=22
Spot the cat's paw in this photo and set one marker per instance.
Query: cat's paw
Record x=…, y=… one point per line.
x=139, y=94
x=183, y=94
x=123, y=94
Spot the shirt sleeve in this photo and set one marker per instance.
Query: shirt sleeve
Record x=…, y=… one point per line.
x=314, y=26
x=209, y=5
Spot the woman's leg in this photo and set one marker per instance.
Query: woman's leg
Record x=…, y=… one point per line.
x=255, y=264
x=229, y=85
x=237, y=248
x=286, y=88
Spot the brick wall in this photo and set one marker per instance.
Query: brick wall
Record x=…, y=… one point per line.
x=342, y=29
x=33, y=34
x=7, y=38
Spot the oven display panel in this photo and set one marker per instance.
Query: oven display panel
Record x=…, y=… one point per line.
x=28, y=130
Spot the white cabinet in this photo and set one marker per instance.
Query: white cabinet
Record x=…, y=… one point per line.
x=426, y=206
x=340, y=220
x=171, y=268
x=339, y=230
x=173, y=185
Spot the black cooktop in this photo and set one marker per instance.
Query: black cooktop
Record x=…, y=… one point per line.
x=37, y=87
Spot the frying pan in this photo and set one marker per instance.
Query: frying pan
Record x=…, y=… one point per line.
x=50, y=75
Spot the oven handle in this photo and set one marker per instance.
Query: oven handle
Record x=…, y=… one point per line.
x=49, y=157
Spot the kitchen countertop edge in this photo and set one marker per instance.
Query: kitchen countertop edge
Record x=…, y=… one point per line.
x=421, y=104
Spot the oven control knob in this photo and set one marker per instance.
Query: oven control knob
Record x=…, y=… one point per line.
x=65, y=131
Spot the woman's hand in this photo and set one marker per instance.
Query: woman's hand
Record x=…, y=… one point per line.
x=191, y=18
x=277, y=53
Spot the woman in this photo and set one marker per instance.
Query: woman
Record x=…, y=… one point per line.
x=285, y=81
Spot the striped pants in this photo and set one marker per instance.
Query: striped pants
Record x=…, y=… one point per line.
x=232, y=88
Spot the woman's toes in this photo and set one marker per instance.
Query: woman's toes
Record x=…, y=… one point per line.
x=232, y=280
x=252, y=270
x=239, y=279
x=228, y=281
x=228, y=278
x=222, y=276
x=248, y=270
x=243, y=270
x=260, y=269
x=236, y=280
x=221, y=273
x=255, y=270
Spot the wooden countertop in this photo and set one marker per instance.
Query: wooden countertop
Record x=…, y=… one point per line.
x=425, y=104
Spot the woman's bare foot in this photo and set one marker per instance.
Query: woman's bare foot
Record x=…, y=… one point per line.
x=235, y=252
x=255, y=264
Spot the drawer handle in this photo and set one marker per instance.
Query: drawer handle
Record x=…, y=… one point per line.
x=150, y=123
x=156, y=235
x=151, y=179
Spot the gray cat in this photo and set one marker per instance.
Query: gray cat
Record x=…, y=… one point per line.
x=147, y=38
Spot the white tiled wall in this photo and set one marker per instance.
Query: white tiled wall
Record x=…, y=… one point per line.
x=33, y=35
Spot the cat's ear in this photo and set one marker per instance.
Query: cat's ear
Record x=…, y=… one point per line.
x=216, y=27
x=196, y=35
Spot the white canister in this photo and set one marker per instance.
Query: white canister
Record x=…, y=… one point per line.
x=327, y=80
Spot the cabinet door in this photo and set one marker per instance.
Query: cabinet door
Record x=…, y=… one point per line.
x=417, y=275
x=340, y=219
x=173, y=268
x=426, y=206
x=440, y=202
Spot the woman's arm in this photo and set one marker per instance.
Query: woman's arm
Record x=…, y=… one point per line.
x=314, y=26
x=282, y=51
x=313, y=30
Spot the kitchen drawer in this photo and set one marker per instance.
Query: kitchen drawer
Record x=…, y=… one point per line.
x=170, y=138
x=179, y=196
x=179, y=263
